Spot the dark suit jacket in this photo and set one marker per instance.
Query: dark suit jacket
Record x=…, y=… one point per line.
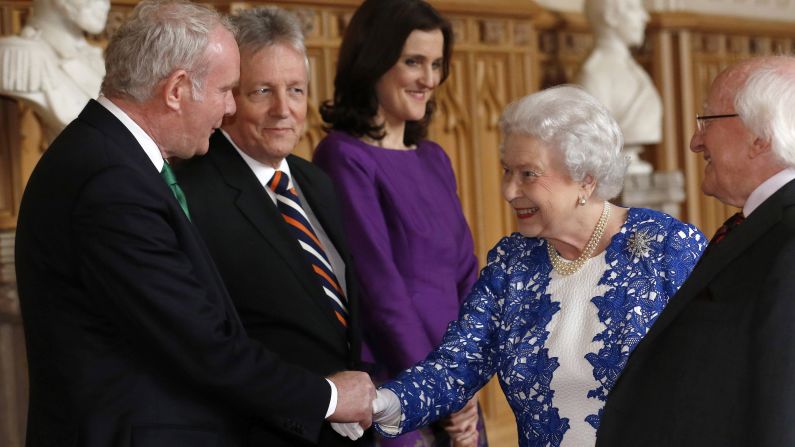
x=278, y=296
x=132, y=338
x=718, y=366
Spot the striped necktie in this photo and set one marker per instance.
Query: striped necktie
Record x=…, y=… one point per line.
x=171, y=180
x=290, y=207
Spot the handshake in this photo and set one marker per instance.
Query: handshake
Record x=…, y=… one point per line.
x=360, y=404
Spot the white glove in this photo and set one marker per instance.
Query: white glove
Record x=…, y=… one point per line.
x=350, y=430
x=387, y=411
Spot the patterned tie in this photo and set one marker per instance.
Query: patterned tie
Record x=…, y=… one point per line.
x=730, y=224
x=290, y=207
x=171, y=181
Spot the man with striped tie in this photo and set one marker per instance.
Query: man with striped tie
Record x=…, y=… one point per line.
x=271, y=220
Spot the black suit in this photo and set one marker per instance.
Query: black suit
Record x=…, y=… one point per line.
x=132, y=338
x=278, y=296
x=718, y=366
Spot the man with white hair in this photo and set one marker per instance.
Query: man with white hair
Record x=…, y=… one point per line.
x=718, y=366
x=132, y=338
x=281, y=252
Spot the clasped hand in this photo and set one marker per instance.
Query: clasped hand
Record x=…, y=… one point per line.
x=386, y=412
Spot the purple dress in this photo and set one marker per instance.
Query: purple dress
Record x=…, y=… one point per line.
x=411, y=246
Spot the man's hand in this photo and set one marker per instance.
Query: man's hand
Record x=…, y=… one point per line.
x=463, y=425
x=386, y=411
x=355, y=395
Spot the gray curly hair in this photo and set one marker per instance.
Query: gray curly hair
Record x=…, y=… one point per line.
x=159, y=38
x=572, y=121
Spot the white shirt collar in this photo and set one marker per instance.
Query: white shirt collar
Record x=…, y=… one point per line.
x=263, y=171
x=146, y=142
x=767, y=189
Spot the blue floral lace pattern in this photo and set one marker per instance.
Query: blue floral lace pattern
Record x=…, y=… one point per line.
x=502, y=327
x=655, y=255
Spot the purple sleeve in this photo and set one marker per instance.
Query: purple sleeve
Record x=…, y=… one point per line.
x=467, y=261
x=389, y=316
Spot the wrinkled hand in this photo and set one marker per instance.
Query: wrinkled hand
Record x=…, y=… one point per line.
x=462, y=426
x=355, y=394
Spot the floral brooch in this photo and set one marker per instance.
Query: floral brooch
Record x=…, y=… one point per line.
x=639, y=243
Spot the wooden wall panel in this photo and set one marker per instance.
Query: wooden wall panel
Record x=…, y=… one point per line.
x=8, y=148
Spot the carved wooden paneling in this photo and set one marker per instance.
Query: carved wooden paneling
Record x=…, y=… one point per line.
x=13, y=373
x=452, y=128
x=8, y=147
x=13, y=369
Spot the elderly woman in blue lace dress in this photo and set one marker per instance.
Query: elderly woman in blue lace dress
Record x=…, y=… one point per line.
x=561, y=304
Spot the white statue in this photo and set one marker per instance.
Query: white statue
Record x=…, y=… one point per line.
x=50, y=65
x=612, y=75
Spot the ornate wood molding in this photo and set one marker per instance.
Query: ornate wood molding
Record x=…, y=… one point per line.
x=9, y=301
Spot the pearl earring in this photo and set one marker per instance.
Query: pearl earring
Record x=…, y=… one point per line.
x=581, y=202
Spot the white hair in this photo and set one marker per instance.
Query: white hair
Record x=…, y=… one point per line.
x=570, y=120
x=765, y=103
x=266, y=26
x=159, y=38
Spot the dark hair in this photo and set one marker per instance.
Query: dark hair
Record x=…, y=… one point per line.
x=372, y=44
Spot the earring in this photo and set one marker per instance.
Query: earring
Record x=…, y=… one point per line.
x=581, y=202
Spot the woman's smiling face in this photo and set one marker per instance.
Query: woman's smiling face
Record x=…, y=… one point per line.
x=538, y=186
x=404, y=91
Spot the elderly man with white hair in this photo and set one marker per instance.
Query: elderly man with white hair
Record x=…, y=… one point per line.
x=718, y=366
x=131, y=335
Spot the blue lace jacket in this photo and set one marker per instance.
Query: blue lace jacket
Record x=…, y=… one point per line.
x=502, y=327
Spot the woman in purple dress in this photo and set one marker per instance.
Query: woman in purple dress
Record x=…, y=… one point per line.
x=411, y=244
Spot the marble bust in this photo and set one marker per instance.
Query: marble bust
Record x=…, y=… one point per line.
x=612, y=75
x=50, y=65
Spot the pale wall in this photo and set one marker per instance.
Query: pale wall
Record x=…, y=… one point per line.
x=761, y=9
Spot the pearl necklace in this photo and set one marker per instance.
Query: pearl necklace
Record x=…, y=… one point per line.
x=565, y=267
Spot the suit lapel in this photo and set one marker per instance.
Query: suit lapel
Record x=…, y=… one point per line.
x=257, y=207
x=131, y=151
x=721, y=255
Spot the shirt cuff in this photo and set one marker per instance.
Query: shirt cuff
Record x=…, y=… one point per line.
x=332, y=405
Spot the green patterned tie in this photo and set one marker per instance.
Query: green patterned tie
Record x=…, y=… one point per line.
x=171, y=181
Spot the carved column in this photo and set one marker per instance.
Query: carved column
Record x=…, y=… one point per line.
x=13, y=386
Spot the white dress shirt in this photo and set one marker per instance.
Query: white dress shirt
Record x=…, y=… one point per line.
x=146, y=142
x=767, y=189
